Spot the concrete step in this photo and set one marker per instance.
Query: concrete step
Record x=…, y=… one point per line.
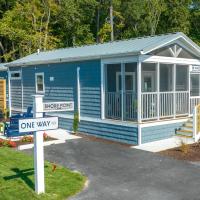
x=185, y=133
x=188, y=124
x=187, y=128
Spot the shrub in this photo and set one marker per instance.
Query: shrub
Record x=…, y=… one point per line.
x=184, y=147
x=45, y=136
x=75, y=122
x=27, y=138
x=12, y=144
x=7, y=143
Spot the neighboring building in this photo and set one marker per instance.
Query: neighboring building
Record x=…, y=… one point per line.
x=4, y=75
x=133, y=91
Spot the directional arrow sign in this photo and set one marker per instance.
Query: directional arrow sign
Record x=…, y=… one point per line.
x=38, y=124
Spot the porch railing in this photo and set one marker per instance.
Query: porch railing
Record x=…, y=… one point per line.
x=170, y=104
x=194, y=101
x=115, y=103
x=154, y=105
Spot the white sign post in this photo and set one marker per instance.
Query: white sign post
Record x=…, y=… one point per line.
x=38, y=146
x=37, y=125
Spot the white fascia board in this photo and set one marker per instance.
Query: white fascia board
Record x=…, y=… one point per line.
x=169, y=60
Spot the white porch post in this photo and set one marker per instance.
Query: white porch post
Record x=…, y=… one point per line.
x=102, y=91
x=139, y=110
x=122, y=89
x=78, y=93
x=189, y=90
x=174, y=89
x=9, y=94
x=158, y=90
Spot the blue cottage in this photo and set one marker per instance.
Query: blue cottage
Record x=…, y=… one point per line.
x=132, y=91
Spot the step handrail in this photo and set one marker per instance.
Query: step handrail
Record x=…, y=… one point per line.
x=196, y=123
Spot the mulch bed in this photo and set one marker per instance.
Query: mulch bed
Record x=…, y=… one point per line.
x=18, y=143
x=193, y=153
x=97, y=139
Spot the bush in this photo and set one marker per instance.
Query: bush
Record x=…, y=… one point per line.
x=45, y=136
x=75, y=122
x=7, y=143
x=27, y=138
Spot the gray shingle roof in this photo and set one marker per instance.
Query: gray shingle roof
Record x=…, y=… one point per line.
x=141, y=45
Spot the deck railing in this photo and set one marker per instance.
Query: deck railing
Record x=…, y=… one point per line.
x=164, y=104
x=194, y=101
x=114, y=107
x=154, y=105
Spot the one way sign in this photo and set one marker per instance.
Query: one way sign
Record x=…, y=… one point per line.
x=38, y=124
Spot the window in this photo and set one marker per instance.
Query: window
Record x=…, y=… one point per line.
x=39, y=79
x=15, y=75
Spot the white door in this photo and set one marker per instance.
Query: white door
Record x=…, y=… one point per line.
x=148, y=81
x=130, y=85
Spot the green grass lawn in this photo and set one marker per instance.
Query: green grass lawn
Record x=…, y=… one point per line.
x=17, y=178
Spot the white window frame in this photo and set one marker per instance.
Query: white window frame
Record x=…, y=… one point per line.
x=15, y=78
x=36, y=86
x=118, y=74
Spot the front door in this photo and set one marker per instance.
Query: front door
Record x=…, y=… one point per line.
x=148, y=81
x=129, y=82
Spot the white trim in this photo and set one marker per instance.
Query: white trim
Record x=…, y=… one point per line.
x=174, y=89
x=78, y=93
x=163, y=122
x=9, y=94
x=36, y=88
x=122, y=91
x=169, y=60
x=191, y=44
x=139, y=134
x=102, y=91
x=158, y=89
x=14, y=72
x=139, y=111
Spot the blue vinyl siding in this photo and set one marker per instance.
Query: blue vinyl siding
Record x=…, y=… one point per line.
x=114, y=132
x=64, y=86
x=159, y=132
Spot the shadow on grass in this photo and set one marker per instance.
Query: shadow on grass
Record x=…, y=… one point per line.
x=22, y=174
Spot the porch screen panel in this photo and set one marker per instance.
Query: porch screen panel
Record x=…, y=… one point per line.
x=113, y=99
x=149, y=94
x=182, y=93
x=166, y=93
x=194, y=85
x=130, y=94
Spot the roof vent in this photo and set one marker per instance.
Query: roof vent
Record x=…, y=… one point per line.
x=38, y=51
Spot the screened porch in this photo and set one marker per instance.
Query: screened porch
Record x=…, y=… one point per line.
x=142, y=91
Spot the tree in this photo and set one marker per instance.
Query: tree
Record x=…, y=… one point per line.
x=195, y=21
x=26, y=28
x=176, y=17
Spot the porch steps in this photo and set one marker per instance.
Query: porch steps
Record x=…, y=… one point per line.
x=186, y=130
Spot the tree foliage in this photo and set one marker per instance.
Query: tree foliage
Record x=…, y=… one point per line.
x=28, y=25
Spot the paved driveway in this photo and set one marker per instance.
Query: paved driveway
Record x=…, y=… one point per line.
x=120, y=173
